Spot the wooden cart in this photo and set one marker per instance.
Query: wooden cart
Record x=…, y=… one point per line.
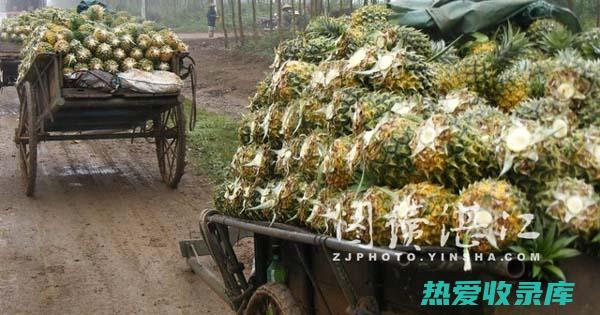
x=9, y=63
x=50, y=111
x=319, y=281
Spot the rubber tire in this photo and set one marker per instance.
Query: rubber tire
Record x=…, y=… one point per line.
x=277, y=293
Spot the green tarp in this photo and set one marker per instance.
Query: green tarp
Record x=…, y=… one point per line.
x=451, y=18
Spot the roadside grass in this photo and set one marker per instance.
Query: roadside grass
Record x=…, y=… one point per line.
x=212, y=144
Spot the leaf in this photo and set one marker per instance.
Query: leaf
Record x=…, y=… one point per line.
x=555, y=272
x=536, y=271
x=563, y=242
x=519, y=249
x=596, y=239
x=565, y=253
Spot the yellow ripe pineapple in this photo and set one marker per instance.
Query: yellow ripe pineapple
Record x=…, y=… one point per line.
x=287, y=195
x=488, y=215
x=370, y=15
x=325, y=215
x=364, y=215
x=313, y=149
x=552, y=114
x=422, y=214
x=338, y=164
x=374, y=105
x=272, y=122
x=288, y=157
x=429, y=146
x=341, y=109
x=291, y=78
x=252, y=162
x=291, y=123
x=574, y=204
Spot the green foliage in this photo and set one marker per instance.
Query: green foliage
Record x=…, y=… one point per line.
x=552, y=248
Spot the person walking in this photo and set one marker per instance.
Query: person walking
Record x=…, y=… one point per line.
x=211, y=17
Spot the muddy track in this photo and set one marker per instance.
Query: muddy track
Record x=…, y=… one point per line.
x=100, y=237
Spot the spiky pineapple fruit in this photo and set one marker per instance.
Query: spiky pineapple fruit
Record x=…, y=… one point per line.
x=91, y=43
x=401, y=71
x=95, y=12
x=540, y=27
x=111, y=66
x=96, y=64
x=252, y=162
x=326, y=216
x=146, y=65
x=272, y=123
x=137, y=54
x=370, y=15
x=585, y=154
x=339, y=164
x=552, y=114
x=288, y=157
x=291, y=124
x=429, y=146
x=363, y=215
x=374, y=105
x=488, y=215
x=522, y=80
x=528, y=154
x=104, y=52
x=588, y=43
x=573, y=203
x=478, y=72
x=341, y=109
x=387, y=153
x=422, y=213
x=312, y=150
x=458, y=101
x=289, y=81
x=128, y=64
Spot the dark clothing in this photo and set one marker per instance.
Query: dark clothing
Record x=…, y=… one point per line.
x=85, y=4
x=211, y=16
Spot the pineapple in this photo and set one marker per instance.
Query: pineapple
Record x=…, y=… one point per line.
x=588, y=43
x=119, y=54
x=136, y=54
x=252, y=162
x=288, y=196
x=102, y=35
x=62, y=46
x=84, y=55
x=153, y=54
x=104, y=52
x=458, y=101
x=478, y=72
x=553, y=114
x=370, y=15
x=556, y=40
x=144, y=41
x=429, y=146
x=540, y=27
x=95, y=12
x=91, y=43
x=341, y=109
x=387, y=153
x=164, y=66
x=338, y=164
x=401, y=71
x=288, y=157
x=488, y=215
x=111, y=66
x=291, y=123
x=146, y=65
x=374, y=105
x=272, y=123
x=70, y=60
x=290, y=79
x=96, y=64
x=424, y=212
x=126, y=42
x=584, y=148
x=81, y=67
x=523, y=80
x=261, y=97
x=574, y=204
x=128, y=64
x=166, y=54
x=312, y=150
x=363, y=215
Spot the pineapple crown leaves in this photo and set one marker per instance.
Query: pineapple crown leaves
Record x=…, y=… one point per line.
x=326, y=26
x=556, y=40
x=512, y=43
x=551, y=247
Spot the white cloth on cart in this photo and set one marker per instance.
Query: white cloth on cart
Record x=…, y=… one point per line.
x=150, y=82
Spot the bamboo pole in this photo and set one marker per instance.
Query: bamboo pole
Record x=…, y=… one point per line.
x=222, y=10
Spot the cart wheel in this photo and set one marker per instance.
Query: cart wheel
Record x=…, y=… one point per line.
x=170, y=145
x=272, y=299
x=28, y=148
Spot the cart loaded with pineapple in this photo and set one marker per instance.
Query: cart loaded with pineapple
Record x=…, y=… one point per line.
x=101, y=75
x=374, y=149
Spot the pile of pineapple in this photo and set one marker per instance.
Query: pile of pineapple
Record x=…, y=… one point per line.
x=373, y=132
x=97, y=40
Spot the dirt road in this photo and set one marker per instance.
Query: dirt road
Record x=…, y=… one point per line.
x=101, y=235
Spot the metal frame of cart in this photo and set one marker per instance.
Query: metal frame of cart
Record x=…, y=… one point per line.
x=51, y=112
x=318, y=283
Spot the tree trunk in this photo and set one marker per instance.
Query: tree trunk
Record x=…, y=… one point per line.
x=235, y=33
x=293, y=18
x=597, y=13
x=571, y=4
x=222, y=14
x=240, y=21
x=271, y=14
x=254, y=33
x=279, y=28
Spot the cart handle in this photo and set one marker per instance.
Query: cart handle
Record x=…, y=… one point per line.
x=190, y=71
